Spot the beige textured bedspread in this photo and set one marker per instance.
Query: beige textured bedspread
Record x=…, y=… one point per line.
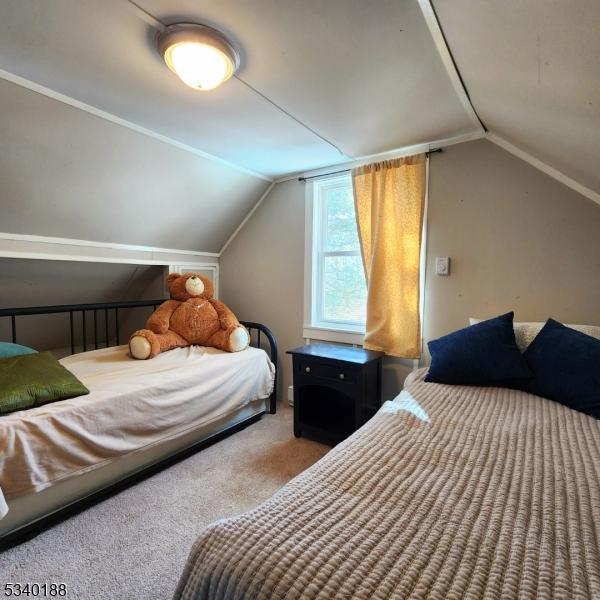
x=450, y=492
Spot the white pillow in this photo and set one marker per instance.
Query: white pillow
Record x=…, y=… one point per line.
x=526, y=332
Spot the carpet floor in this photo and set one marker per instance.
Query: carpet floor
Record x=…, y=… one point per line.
x=133, y=545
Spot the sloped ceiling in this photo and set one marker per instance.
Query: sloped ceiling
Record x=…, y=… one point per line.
x=353, y=77
x=66, y=173
x=532, y=71
x=321, y=82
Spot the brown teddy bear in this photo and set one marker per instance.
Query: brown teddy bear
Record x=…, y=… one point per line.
x=192, y=316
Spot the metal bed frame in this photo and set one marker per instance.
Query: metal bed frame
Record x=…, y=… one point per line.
x=107, y=309
x=104, y=319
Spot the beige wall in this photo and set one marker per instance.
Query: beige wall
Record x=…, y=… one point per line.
x=25, y=282
x=518, y=241
x=262, y=277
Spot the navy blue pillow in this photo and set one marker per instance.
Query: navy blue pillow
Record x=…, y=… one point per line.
x=566, y=364
x=483, y=354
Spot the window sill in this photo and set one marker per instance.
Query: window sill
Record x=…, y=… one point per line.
x=343, y=336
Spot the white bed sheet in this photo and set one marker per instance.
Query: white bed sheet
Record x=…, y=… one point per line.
x=132, y=406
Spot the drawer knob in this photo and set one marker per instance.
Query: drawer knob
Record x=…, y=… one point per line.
x=307, y=369
x=342, y=376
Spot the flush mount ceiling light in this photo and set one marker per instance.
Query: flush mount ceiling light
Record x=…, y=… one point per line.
x=201, y=56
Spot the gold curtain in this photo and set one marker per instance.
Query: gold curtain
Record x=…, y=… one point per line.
x=389, y=198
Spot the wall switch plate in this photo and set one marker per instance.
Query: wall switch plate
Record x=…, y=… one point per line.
x=442, y=265
x=291, y=395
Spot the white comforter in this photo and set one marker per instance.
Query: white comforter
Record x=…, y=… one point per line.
x=132, y=405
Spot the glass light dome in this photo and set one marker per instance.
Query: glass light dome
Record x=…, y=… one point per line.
x=199, y=55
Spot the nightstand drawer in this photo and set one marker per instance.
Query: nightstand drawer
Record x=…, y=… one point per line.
x=339, y=374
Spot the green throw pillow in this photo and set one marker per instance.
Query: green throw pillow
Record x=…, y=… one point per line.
x=34, y=379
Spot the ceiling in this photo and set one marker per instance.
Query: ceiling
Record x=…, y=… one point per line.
x=353, y=77
x=66, y=173
x=532, y=71
x=326, y=81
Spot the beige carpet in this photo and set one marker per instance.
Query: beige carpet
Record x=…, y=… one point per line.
x=133, y=545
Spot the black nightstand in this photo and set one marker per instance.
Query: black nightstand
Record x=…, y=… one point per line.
x=336, y=390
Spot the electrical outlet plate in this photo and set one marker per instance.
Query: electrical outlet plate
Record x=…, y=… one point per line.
x=442, y=265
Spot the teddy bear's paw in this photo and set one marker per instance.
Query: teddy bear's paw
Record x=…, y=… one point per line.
x=239, y=339
x=139, y=347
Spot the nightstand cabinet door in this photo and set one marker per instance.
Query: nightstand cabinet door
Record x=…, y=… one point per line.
x=333, y=398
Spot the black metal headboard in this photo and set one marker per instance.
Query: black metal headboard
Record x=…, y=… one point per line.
x=109, y=321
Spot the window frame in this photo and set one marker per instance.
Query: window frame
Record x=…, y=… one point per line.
x=315, y=326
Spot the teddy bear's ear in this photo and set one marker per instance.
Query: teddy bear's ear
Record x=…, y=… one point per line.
x=172, y=277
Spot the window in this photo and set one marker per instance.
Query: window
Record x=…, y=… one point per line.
x=336, y=291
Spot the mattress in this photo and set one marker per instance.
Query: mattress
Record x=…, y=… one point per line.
x=132, y=406
x=448, y=492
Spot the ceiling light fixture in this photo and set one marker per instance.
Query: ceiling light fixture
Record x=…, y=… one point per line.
x=201, y=56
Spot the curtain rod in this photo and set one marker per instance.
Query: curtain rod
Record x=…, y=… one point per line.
x=303, y=179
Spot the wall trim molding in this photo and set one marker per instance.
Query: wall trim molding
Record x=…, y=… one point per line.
x=247, y=218
x=406, y=151
x=43, y=239
x=544, y=167
x=14, y=245
x=97, y=259
x=388, y=155
x=442, y=47
x=97, y=112
x=444, y=51
x=146, y=16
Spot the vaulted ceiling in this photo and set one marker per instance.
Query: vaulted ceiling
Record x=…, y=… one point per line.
x=326, y=81
x=532, y=70
x=351, y=77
